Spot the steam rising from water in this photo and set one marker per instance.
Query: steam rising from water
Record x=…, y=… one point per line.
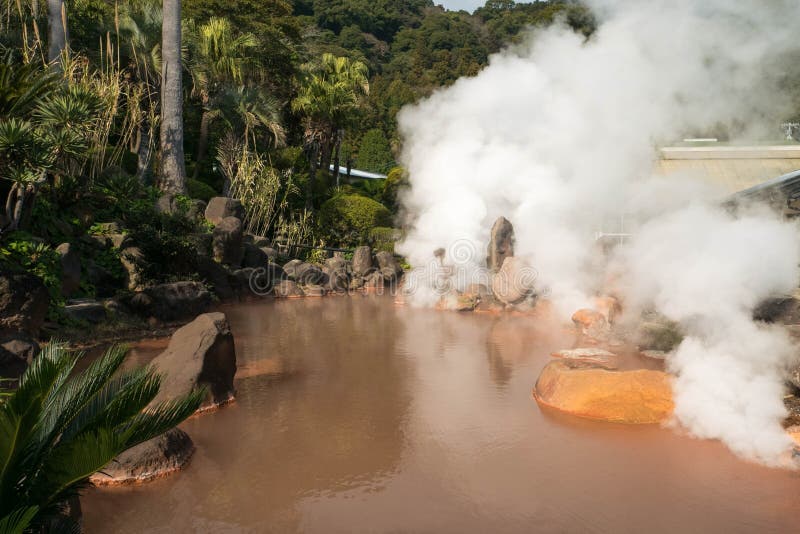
x=559, y=136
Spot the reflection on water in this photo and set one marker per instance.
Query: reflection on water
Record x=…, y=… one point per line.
x=353, y=415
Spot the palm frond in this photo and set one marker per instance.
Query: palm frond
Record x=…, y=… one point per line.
x=18, y=521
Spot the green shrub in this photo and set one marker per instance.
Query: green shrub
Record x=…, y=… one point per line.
x=383, y=238
x=395, y=182
x=22, y=251
x=374, y=153
x=348, y=219
x=200, y=190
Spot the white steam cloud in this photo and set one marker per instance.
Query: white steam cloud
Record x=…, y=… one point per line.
x=559, y=135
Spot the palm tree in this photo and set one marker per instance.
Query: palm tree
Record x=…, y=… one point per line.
x=173, y=169
x=328, y=98
x=139, y=25
x=254, y=110
x=57, y=29
x=58, y=429
x=220, y=58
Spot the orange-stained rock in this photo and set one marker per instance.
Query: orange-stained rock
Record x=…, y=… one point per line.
x=641, y=396
x=609, y=307
x=794, y=433
x=591, y=356
x=586, y=319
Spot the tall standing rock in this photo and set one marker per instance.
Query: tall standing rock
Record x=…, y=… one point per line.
x=220, y=207
x=514, y=282
x=227, y=242
x=362, y=261
x=201, y=353
x=70, y=269
x=501, y=244
x=23, y=303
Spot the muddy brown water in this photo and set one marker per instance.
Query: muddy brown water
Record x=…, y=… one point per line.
x=354, y=415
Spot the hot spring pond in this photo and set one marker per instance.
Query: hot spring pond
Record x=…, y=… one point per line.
x=354, y=415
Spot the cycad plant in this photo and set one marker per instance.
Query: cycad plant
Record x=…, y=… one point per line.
x=58, y=428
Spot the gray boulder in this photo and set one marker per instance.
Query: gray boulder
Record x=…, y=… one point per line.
x=388, y=266
x=197, y=209
x=314, y=291
x=309, y=274
x=217, y=277
x=243, y=277
x=362, y=261
x=23, y=303
x=133, y=262
x=514, y=281
x=173, y=301
x=120, y=241
x=16, y=353
x=374, y=280
x=338, y=278
x=227, y=242
x=152, y=459
x=200, y=354
x=287, y=289
x=103, y=280
x=501, y=244
x=167, y=204
x=254, y=256
x=221, y=207
x=88, y=310
x=70, y=269
x=290, y=268
x=338, y=264
x=263, y=280
x=271, y=253
x=782, y=310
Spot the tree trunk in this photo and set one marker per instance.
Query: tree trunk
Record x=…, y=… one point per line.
x=173, y=170
x=327, y=151
x=18, y=202
x=337, y=146
x=143, y=152
x=312, y=175
x=202, y=143
x=57, y=30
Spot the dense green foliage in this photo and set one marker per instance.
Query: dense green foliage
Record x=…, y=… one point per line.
x=348, y=219
x=60, y=427
x=324, y=77
x=374, y=152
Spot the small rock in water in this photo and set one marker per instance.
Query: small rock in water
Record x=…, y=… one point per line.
x=152, y=459
x=593, y=356
x=589, y=319
x=654, y=354
x=287, y=289
x=314, y=291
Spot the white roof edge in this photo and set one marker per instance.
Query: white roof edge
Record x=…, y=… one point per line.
x=359, y=174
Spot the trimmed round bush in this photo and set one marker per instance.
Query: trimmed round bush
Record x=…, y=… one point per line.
x=200, y=190
x=348, y=219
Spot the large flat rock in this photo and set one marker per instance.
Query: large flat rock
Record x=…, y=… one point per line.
x=640, y=396
x=156, y=458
